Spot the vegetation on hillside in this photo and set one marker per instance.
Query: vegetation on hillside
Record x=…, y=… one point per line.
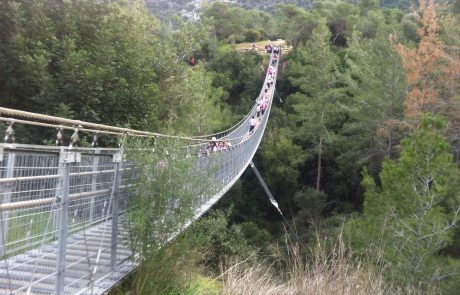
x=164, y=9
x=366, y=138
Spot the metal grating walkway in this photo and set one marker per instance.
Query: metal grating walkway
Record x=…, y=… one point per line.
x=84, y=253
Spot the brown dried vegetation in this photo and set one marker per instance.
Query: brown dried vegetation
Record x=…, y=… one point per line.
x=431, y=70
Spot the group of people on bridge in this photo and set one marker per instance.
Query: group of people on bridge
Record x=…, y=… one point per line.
x=214, y=145
x=272, y=48
x=264, y=99
x=262, y=104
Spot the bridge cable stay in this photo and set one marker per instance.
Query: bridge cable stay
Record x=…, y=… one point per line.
x=270, y=196
x=279, y=97
x=43, y=188
x=265, y=187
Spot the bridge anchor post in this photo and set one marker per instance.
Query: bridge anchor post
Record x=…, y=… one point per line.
x=67, y=158
x=95, y=165
x=118, y=158
x=8, y=191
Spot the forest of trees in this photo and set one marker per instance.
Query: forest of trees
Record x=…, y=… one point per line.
x=166, y=8
x=364, y=150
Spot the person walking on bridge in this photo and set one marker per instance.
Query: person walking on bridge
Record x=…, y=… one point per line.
x=252, y=124
x=258, y=109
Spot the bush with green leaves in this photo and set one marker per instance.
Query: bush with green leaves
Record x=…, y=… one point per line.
x=167, y=192
x=187, y=264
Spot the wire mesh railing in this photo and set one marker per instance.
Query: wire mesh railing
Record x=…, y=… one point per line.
x=48, y=196
x=62, y=229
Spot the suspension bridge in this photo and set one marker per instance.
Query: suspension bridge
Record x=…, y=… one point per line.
x=62, y=229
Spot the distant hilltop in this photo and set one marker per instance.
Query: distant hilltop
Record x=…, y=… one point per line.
x=163, y=9
x=191, y=8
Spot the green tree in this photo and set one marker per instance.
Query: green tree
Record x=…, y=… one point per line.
x=376, y=81
x=409, y=26
x=366, y=5
x=94, y=57
x=338, y=15
x=236, y=19
x=415, y=211
x=194, y=105
x=281, y=160
x=295, y=24
x=252, y=35
x=311, y=204
x=235, y=24
x=312, y=70
x=239, y=75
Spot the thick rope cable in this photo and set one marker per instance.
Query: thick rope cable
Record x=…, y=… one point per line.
x=198, y=141
x=40, y=124
x=67, y=124
x=58, y=122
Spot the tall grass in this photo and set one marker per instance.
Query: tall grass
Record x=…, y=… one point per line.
x=330, y=269
x=199, y=263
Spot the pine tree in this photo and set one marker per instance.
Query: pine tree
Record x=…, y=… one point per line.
x=313, y=73
x=414, y=214
x=376, y=81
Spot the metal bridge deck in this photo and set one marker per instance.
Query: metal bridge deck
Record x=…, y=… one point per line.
x=84, y=253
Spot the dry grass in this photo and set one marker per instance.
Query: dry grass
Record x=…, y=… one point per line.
x=327, y=272
x=333, y=272
x=254, y=278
